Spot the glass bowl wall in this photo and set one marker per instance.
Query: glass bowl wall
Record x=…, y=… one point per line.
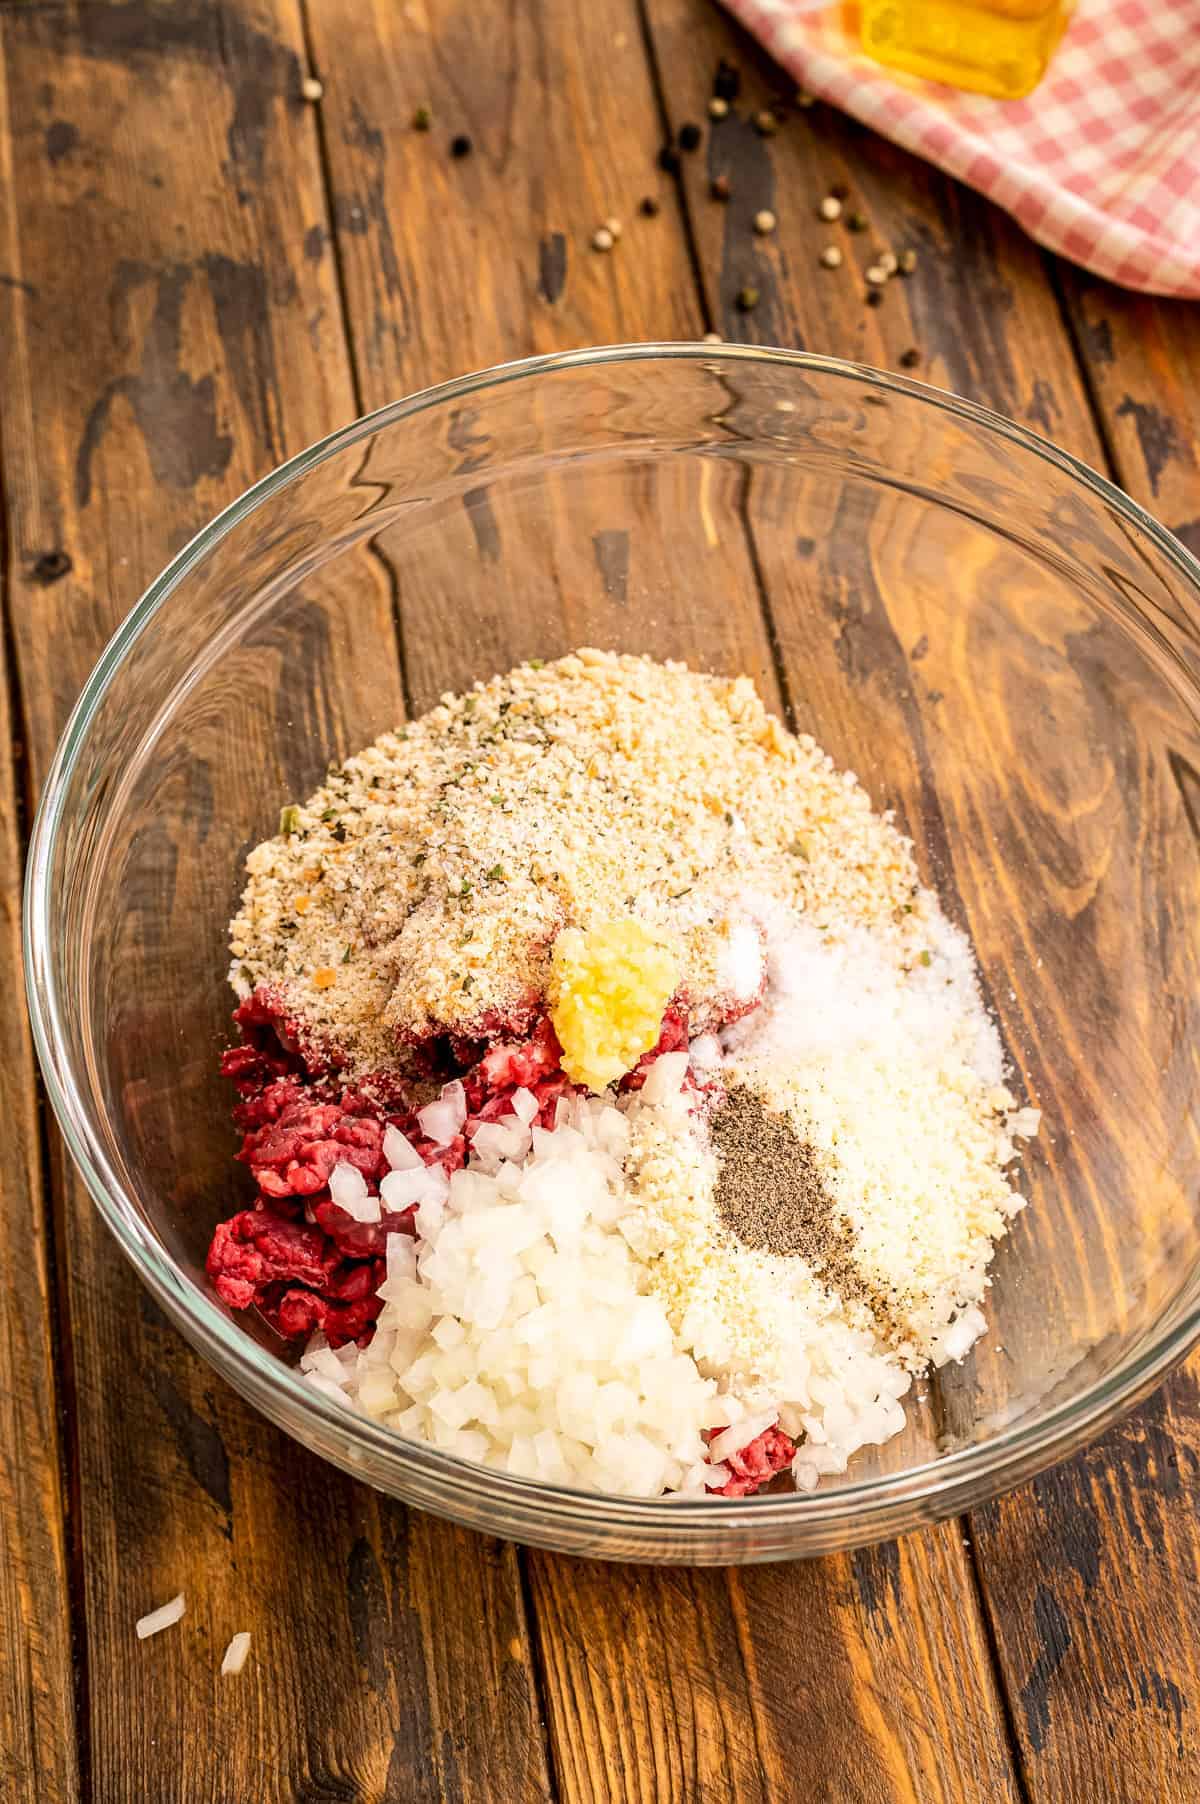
x=1002, y=646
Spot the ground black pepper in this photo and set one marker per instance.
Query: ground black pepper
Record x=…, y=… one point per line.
x=771, y=1197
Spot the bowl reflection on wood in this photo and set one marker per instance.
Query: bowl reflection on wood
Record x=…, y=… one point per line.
x=999, y=644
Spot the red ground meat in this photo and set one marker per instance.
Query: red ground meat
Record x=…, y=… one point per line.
x=513, y=1064
x=270, y=1044
x=673, y=1038
x=294, y=1154
x=296, y=1256
x=303, y=1262
x=257, y=1248
x=297, y=1313
x=360, y=1239
x=769, y=1453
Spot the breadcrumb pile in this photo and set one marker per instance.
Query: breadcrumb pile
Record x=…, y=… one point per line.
x=422, y=887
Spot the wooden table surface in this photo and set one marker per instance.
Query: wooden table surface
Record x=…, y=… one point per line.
x=200, y=272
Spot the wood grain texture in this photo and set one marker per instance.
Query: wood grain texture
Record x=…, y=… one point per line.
x=858, y=1678
x=38, y=1754
x=1090, y=1574
x=978, y=310
x=203, y=342
x=389, y=1659
x=1093, y=1572
x=673, y=1686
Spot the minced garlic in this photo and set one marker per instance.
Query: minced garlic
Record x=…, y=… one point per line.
x=609, y=987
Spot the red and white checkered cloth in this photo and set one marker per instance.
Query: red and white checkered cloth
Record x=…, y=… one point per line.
x=1101, y=162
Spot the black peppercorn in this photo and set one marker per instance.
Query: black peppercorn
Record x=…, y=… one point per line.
x=668, y=160
x=727, y=81
x=461, y=146
x=649, y=207
x=690, y=136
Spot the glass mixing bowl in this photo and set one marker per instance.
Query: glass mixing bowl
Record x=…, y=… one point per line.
x=1001, y=645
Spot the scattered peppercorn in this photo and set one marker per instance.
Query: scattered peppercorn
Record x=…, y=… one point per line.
x=461, y=146
x=718, y=108
x=830, y=208
x=747, y=299
x=877, y=275
x=668, y=160
x=727, y=81
x=422, y=119
x=690, y=136
x=887, y=262
x=602, y=239
x=874, y=297
x=312, y=89
x=649, y=207
x=910, y=359
x=765, y=222
x=713, y=338
x=839, y=191
x=908, y=262
x=831, y=257
x=765, y=123
x=613, y=225
x=720, y=188
x=857, y=222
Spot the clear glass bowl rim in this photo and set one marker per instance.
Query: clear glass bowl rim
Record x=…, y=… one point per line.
x=881, y=1505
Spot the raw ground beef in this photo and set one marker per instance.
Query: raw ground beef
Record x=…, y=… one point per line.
x=298, y=1258
x=771, y=1452
x=302, y=1261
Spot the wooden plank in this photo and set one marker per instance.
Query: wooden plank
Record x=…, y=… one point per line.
x=38, y=1754
x=1090, y=1574
x=861, y=1677
x=38, y=1749
x=663, y=1685
x=978, y=309
x=1093, y=1572
x=204, y=342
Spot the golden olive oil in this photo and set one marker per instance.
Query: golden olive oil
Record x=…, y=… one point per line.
x=999, y=47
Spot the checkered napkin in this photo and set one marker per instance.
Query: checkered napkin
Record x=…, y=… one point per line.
x=1101, y=162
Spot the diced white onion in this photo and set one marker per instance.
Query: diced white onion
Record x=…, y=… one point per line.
x=665, y=1077
x=441, y=1121
x=424, y=1183
x=348, y=1188
x=524, y=1105
x=162, y=1618
x=399, y=1150
x=235, y=1654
